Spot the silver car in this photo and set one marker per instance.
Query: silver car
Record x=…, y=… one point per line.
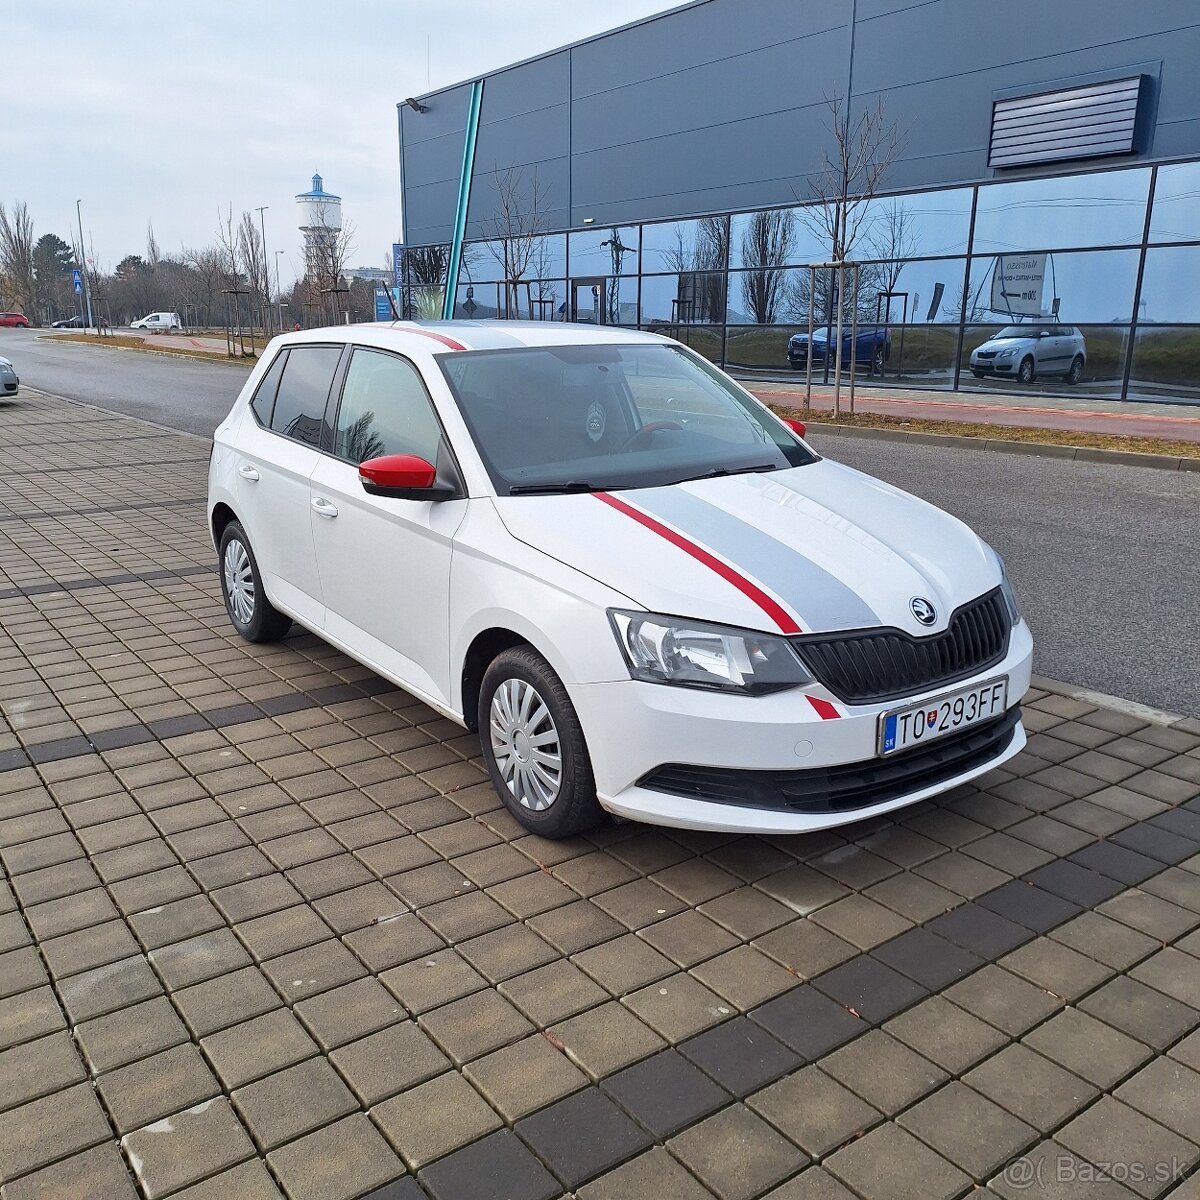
x=1023, y=352
x=8, y=378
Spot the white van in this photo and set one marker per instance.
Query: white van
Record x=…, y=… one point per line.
x=158, y=322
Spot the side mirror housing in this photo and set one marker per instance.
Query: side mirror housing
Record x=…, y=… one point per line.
x=402, y=477
x=797, y=427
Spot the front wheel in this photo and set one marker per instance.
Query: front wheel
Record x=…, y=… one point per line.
x=250, y=612
x=1075, y=374
x=534, y=747
x=1025, y=371
x=877, y=361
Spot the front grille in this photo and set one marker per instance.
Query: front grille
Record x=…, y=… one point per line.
x=845, y=788
x=870, y=665
x=986, y=353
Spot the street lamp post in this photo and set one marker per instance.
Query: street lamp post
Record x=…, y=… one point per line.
x=278, y=289
x=266, y=273
x=87, y=291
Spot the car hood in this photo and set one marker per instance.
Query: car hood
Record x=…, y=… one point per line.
x=809, y=549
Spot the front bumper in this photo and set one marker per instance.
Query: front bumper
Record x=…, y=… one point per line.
x=633, y=729
x=994, y=366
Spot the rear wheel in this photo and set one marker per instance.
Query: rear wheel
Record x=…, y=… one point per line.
x=250, y=612
x=877, y=361
x=1075, y=374
x=534, y=747
x=1025, y=371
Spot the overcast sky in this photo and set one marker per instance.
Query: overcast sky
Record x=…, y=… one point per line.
x=162, y=112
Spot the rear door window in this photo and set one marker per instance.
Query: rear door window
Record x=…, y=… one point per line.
x=303, y=393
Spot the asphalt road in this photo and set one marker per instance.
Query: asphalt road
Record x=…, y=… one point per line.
x=1105, y=559
x=172, y=390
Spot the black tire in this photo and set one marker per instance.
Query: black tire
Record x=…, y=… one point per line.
x=574, y=807
x=979, y=374
x=265, y=623
x=877, y=361
x=1025, y=372
x=796, y=366
x=1075, y=374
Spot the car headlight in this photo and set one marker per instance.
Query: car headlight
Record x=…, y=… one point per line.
x=686, y=653
x=1006, y=354
x=1006, y=588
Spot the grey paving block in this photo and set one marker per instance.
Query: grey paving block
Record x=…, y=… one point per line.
x=814, y=1110
x=890, y=1164
x=154, y=1087
x=808, y=1021
x=740, y=1055
x=497, y=1167
x=98, y=1172
x=736, y=1154
x=186, y=1147
x=37, y=1068
x=1039, y=1092
x=342, y=1161
x=434, y=1119
x=293, y=1102
x=666, y=1093
x=42, y=1131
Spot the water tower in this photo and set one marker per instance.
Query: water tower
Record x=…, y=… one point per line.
x=320, y=214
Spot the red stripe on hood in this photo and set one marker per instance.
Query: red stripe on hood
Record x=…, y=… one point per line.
x=785, y=622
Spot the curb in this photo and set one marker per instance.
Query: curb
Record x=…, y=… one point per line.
x=1129, y=458
x=248, y=362
x=1145, y=712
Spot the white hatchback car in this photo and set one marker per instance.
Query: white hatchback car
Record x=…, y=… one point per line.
x=647, y=593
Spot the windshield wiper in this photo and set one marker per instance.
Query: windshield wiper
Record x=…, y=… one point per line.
x=719, y=472
x=572, y=485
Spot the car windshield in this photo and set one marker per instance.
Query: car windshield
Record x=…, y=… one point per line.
x=1016, y=331
x=599, y=417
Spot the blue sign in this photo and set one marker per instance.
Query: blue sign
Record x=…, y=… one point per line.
x=383, y=307
x=77, y=279
x=397, y=265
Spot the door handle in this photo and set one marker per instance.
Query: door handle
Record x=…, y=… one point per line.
x=246, y=471
x=323, y=507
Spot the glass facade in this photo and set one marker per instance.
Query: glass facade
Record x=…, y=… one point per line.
x=1111, y=257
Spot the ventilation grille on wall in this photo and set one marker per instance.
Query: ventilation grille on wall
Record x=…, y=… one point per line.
x=1079, y=122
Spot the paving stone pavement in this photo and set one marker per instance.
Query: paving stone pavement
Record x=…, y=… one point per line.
x=265, y=929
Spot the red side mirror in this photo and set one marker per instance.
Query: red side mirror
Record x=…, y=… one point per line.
x=397, y=471
x=797, y=427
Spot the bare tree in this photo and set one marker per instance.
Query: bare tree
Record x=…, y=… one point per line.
x=767, y=244
x=425, y=280
x=893, y=238
x=516, y=233
x=17, y=276
x=700, y=263
x=865, y=145
x=153, y=255
x=252, y=262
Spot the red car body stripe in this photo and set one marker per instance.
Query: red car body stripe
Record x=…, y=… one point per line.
x=775, y=611
x=437, y=337
x=824, y=709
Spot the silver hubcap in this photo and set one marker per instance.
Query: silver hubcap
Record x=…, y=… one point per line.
x=239, y=582
x=525, y=745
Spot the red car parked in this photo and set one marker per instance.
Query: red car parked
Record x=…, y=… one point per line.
x=14, y=320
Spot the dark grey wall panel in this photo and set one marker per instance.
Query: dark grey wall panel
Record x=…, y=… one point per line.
x=720, y=105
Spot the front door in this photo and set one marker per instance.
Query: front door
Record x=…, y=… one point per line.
x=587, y=301
x=385, y=563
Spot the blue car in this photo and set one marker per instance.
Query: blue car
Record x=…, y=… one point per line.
x=873, y=348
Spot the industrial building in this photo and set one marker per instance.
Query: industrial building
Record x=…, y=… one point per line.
x=1038, y=166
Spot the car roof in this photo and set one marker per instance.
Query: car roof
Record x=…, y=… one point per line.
x=443, y=337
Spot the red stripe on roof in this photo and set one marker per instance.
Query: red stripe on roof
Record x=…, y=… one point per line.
x=824, y=709
x=776, y=612
x=450, y=343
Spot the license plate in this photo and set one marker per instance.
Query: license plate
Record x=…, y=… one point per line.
x=904, y=728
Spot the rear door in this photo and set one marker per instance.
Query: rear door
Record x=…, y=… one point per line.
x=278, y=449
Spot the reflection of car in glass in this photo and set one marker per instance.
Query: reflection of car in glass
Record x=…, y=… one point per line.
x=873, y=347
x=1022, y=352
x=8, y=377
x=646, y=592
x=14, y=320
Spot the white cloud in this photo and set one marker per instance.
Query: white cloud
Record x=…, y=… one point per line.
x=160, y=112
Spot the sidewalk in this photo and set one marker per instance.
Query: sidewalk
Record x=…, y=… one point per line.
x=1085, y=415
x=267, y=931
